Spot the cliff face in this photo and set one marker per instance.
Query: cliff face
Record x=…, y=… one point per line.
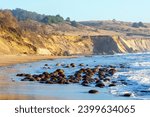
x=104, y=45
x=117, y=44
x=37, y=44
x=70, y=45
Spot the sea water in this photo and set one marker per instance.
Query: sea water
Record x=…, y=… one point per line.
x=136, y=74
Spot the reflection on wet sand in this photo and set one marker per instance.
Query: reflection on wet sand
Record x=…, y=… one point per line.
x=12, y=90
x=22, y=97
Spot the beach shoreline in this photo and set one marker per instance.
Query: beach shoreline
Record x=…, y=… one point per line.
x=7, y=60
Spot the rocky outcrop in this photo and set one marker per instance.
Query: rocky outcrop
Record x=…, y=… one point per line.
x=104, y=45
x=117, y=44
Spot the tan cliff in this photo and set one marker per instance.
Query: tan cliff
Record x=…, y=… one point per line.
x=71, y=45
x=118, y=44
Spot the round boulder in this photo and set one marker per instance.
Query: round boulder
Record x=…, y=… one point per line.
x=93, y=91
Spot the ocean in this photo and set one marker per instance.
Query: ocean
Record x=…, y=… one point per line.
x=135, y=76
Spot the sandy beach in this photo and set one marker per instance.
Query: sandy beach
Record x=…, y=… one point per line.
x=6, y=60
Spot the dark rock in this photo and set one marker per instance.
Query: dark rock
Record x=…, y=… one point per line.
x=58, y=64
x=113, y=82
x=106, y=80
x=122, y=80
x=72, y=65
x=38, y=78
x=32, y=79
x=42, y=82
x=25, y=79
x=85, y=83
x=122, y=66
x=61, y=81
x=81, y=64
x=111, y=66
x=127, y=94
x=112, y=85
x=67, y=66
x=101, y=73
x=46, y=65
x=45, y=73
x=20, y=74
x=100, y=85
x=49, y=82
x=67, y=82
x=124, y=83
x=42, y=76
x=96, y=80
x=98, y=66
x=112, y=71
x=75, y=81
x=28, y=75
x=144, y=91
x=93, y=91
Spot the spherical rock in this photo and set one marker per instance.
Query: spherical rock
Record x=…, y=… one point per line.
x=112, y=71
x=93, y=91
x=127, y=94
x=72, y=65
x=100, y=85
x=46, y=65
x=81, y=64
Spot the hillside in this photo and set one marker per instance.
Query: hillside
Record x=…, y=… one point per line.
x=134, y=29
x=30, y=35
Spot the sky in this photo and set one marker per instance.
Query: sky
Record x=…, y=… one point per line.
x=82, y=10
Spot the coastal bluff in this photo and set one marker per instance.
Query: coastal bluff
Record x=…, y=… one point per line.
x=62, y=39
x=116, y=44
x=71, y=45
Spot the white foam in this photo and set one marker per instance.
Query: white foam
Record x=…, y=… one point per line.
x=141, y=64
x=142, y=76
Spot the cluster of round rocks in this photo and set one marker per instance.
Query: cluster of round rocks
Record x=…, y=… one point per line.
x=99, y=76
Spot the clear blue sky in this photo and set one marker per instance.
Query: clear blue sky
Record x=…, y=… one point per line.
x=125, y=10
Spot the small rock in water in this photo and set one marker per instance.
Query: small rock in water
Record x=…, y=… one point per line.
x=124, y=83
x=127, y=94
x=93, y=91
x=112, y=85
x=46, y=65
x=67, y=66
x=20, y=74
x=72, y=65
x=106, y=79
x=81, y=64
x=85, y=83
x=145, y=91
x=100, y=84
x=58, y=64
x=112, y=71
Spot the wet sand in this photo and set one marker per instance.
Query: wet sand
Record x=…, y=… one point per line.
x=6, y=60
x=24, y=97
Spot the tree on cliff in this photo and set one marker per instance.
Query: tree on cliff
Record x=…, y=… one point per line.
x=74, y=23
x=21, y=14
x=139, y=24
x=52, y=19
x=68, y=19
